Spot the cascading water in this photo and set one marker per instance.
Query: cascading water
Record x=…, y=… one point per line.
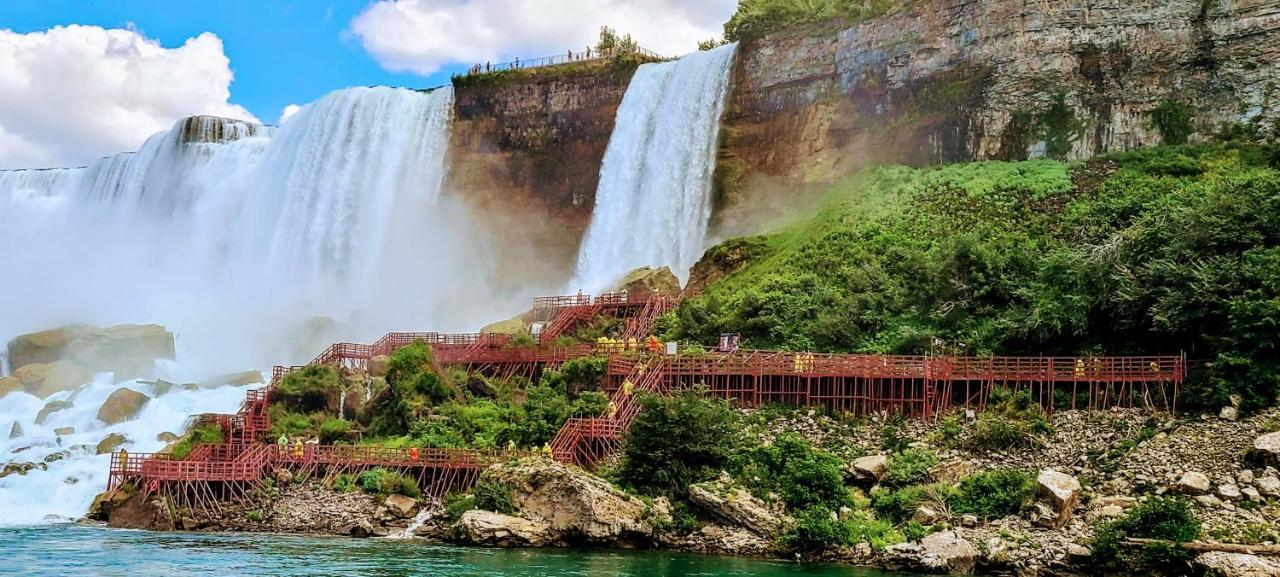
x=654, y=197
x=238, y=238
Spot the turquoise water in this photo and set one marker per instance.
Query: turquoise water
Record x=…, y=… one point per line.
x=72, y=550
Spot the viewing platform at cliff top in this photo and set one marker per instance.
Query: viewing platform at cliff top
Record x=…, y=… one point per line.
x=590, y=55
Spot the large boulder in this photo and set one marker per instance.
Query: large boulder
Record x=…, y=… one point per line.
x=942, y=552
x=719, y=539
x=1221, y=564
x=43, y=380
x=1266, y=450
x=127, y=350
x=15, y=431
x=105, y=503
x=110, y=443
x=401, y=506
x=1057, y=495
x=123, y=405
x=647, y=281
x=10, y=385
x=575, y=505
x=498, y=530
x=871, y=468
x=49, y=409
x=735, y=505
x=1192, y=483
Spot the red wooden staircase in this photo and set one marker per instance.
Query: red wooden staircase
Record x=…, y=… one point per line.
x=590, y=441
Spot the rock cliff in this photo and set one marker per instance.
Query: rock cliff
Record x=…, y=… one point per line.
x=957, y=80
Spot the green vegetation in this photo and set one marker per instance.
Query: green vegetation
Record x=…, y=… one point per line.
x=756, y=18
x=1010, y=420
x=308, y=389
x=209, y=434
x=994, y=494
x=803, y=476
x=819, y=529
x=1165, y=518
x=898, y=505
x=1156, y=251
x=1174, y=121
x=911, y=466
x=384, y=482
x=456, y=504
x=676, y=441
x=491, y=496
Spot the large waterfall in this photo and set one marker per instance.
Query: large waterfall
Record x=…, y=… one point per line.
x=255, y=245
x=654, y=198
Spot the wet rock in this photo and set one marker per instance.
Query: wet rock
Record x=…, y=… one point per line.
x=15, y=431
x=1192, y=483
x=240, y=379
x=1057, y=495
x=123, y=405
x=129, y=351
x=647, y=281
x=871, y=468
x=495, y=529
x=735, y=505
x=720, y=539
x=64, y=431
x=1220, y=564
x=21, y=468
x=42, y=380
x=401, y=506
x=110, y=443
x=942, y=552
x=9, y=385
x=55, y=457
x=106, y=502
x=167, y=437
x=50, y=408
x=188, y=524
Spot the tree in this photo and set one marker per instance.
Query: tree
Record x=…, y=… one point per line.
x=678, y=440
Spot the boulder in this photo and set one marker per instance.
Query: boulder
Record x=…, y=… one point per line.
x=1266, y=450
x=571, y=502
x=512, y=326
x=735, y=505
x=283, y=477
x=1229, y=414
x=942, y=552
x=871, y=468
x=9, y=385
x=1221, y=564
x=167, y=437
x=378, y=365
x=927, y=515
x=63, y=431
x=123, y=405
x=1079, y=554
x=1229, y=492
x=241, y=379
x=646, y=281
x=1057, y=495
x=1268, y=486
x=401, y=506
x=15, y=431
x=106, y=502
x=129, y=351
x=43, y=380
x=1192, y=483
x=950, y=472
x=498, y=530
x=723, y=540
x=110, y=443
x=1244, y=477
x=50, y=408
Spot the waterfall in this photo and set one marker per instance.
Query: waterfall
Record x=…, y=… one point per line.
x=254, y=245
x=654, y=197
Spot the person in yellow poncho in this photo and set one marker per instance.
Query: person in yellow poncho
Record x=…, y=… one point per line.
x=627, y=387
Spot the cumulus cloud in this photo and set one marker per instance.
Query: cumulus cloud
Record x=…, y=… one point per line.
x=423, y=35
x=69, y=95
x=288, y=111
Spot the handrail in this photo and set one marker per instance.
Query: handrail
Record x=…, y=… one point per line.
x=568, y=57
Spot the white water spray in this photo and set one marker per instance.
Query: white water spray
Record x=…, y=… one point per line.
x=253, y=245
x=654, y=198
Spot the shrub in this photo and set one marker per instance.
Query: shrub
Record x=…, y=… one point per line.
x=1173, y=120
x=308, y=389
x=254, y=516
x=383, y=482
x=334, y=430
x=994, y=494
x=457, y=504
x=576, y=375
x=677, y=440
x=755, y=18
x=911, y=466
x=209, y=434
x=818, y=529
x=803, y=476
x=495, y=497
x=344, y=483
x=1165, y=518
x=898, y=505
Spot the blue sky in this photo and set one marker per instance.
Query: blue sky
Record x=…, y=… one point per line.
x=282, y=52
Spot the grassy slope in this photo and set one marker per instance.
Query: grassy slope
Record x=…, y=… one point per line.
x=1157, y=251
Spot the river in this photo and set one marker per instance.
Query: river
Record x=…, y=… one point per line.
x=56, y=550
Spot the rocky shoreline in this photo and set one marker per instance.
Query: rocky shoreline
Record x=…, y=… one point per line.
x=1093, y=467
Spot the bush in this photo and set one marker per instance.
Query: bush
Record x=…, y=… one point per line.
x=308, y=389
x=817, y=529
x=994, y=494
x=576, y=375
x=495, y=497
x=209, y=434
x=334, y=430
x=344, y=483
x=911, y=466
x=803, y=476
x=383, y=482
x=676, y=441
x=1173, y=120
x=457, y=504
x=1165, y=518
x=755, y=18
x=898, y=505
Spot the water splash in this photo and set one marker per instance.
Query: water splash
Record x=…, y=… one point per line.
x=428, y=511
x=654, y=197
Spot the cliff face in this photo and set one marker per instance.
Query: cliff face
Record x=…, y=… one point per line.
x=957, y=80
x=526, y=154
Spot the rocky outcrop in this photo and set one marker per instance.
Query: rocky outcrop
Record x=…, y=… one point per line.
x=105, y=503
x=871, y=467
x=647, y=281
x=1220, y=564
x=499, y=530
x=958, y=80
x=49, y=409
x=240, y=379
x=737, y=506
x=9, y=385
x=526, y=151
x=942, y=552
x=110, y=443
x=401, y=506
x=575, y=506
x=43, y=380
x=127, y=350
x=1057, y=495
x=122, y=405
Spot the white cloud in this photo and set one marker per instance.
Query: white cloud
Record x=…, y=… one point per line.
x=288, y=111
x=69, y=95
x=423, y=35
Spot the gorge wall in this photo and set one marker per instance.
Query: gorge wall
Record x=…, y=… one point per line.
x=957, y=80
x=526, y=151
